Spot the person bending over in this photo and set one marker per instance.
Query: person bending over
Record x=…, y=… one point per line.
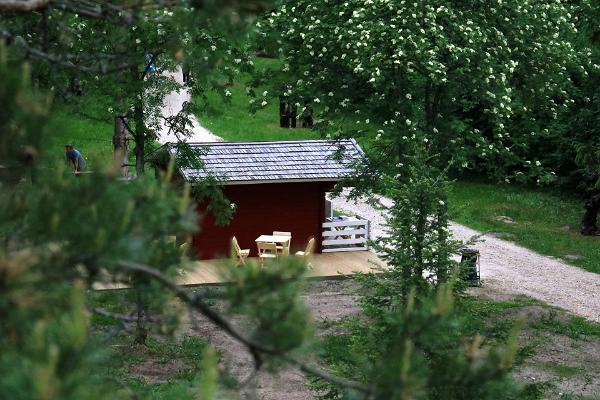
x=74, y=157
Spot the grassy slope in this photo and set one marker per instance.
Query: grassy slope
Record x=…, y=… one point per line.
x=233, y=122
x=92, y=138
x=545, y=222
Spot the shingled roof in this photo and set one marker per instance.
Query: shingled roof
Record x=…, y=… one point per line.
x=270, y=162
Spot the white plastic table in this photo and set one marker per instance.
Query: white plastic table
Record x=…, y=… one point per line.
x=272, y=239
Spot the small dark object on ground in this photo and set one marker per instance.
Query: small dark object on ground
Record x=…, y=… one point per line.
x=589, y=224
x=470, y=261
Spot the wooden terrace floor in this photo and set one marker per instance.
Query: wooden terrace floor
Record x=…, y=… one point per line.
x=326, y=265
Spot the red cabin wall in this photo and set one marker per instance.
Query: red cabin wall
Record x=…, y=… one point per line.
x=298, y=208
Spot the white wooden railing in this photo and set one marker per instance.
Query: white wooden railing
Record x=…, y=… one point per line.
x=351, y=234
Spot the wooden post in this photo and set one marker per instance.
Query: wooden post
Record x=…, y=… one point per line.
x=284, y=119
x=293, y=115
x=307, y=117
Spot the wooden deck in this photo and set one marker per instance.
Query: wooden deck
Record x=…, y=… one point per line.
x=326, y=265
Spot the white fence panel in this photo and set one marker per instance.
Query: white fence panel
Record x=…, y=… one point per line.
x=346, y=235
x=346, y=232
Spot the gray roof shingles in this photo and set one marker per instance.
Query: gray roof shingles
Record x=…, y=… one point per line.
x=283, y=161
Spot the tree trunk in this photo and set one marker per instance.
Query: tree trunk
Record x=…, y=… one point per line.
x=140, y=136
x=420, y=226
x=141, y=329
x=121, y=145
x=284, y=121
x=589, y=224
x=433, y=96
x=293, y=116
x=307, y=119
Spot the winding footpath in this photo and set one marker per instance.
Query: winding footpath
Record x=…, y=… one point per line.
x=172, y=105
x=510, y=268
x=505, y=266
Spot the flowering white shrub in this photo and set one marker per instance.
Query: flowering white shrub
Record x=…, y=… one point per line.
x=470, y=79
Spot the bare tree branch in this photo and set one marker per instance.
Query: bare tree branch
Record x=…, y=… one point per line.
x=198, y=303
x=63, y=60
x=22, y=5
x=106, y=313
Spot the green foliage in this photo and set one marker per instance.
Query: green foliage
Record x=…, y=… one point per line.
x=107, y=55
x=60, y=235
x=419, y=351
x=412, y=342
x=211, y=373
x=417, y=243
x=45, y=351
x=492, y=86
x=20, y=121
x=281, y=321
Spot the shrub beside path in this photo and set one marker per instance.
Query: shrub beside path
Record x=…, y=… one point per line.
x=508, y=267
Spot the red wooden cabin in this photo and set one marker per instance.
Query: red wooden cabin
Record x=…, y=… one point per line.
x=275, y=186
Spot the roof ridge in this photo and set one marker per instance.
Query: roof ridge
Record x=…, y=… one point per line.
x=270, y=161
x=267, y=141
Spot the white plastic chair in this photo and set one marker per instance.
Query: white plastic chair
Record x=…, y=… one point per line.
x=310, y=246
x=285, y=249
x=237, y=251
x=266, y=251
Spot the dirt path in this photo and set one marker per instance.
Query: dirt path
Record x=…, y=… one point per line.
x=510, y=268
x=328, y=300
x=172, y=105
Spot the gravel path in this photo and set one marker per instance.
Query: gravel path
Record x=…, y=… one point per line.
x=172, y=104
x=510, y=268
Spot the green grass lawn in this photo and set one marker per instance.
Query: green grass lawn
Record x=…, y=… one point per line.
x=92, y=138
x=545, y=222
x=233, y=122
